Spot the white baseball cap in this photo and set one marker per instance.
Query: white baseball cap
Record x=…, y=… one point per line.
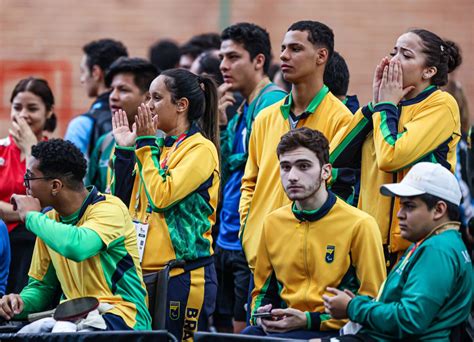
x=426, y=178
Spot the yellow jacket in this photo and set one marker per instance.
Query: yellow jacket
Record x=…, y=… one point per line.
x=262, y=191
x=425, y=128
x=301, y=253
x=178, y=200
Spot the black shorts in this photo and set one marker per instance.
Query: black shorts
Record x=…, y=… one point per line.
x=233, y=276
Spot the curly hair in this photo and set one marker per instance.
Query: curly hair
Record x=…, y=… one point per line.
x=103, y=53
x=61, y=158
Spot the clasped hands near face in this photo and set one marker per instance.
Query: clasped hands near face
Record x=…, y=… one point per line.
x=284, y=320
x=145, y=125
x=388, y=82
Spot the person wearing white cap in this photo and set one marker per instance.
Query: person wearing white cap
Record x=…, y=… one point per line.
x=429, y=291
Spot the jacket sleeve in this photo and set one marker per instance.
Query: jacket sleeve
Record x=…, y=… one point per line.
x=345, y=148
x=165, y=188
x=422, y=296
x=368, y=257
x=123, y=173
x=266, y=284
x=75, y=243
x=249, y=179
x=42, y=284
x=429, y=128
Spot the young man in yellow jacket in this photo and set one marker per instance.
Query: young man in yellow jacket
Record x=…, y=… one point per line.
x=315, y=242
x=306, y=48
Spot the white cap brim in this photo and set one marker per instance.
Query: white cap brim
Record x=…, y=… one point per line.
x=400, y=190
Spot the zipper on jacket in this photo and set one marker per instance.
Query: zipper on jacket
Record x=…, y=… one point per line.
x=305, y=256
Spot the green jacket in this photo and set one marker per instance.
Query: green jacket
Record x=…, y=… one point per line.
x=423, y=298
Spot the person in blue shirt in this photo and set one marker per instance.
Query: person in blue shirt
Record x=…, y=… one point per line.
x=85, y=129
x=245, y=55
x=4, y=257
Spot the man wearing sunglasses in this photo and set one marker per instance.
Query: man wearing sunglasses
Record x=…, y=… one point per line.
x=86, y=241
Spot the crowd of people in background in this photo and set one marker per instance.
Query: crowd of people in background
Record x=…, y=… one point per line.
x=293, y=211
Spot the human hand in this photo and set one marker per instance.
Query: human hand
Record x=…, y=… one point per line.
x=121, y=130
x=336, y=305
x=146, y=124
x=285, y=320
x=226, y=99
x=265, y=308
x=24, y=204
x=378, y=79
x=11, y=305
x=22, y=135
x=391, y=88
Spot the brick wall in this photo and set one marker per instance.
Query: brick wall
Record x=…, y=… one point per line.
x=45, y=37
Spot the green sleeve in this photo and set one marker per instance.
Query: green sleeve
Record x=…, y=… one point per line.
x=424, y=292
x=75, y=243
x=38, y=293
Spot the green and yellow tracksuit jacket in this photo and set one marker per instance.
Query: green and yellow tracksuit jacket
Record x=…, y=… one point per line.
x=301, y=253
x=262, y=191
x=427, y=294
x=175, y=191
x=392, y=139
x=92, y=252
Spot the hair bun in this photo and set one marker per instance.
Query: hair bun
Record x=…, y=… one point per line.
x=454, y=55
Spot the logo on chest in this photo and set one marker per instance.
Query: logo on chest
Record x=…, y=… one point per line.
x=330, y=251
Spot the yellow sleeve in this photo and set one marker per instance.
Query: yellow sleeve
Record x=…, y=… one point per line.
x=249, y=179
x=266, y=284
x=368, y=257
x=167, y=187
x=432, y=126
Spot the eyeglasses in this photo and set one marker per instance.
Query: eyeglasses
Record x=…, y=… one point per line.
x=27, y=178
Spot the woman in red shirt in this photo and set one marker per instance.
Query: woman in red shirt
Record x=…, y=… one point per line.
x=31, y=115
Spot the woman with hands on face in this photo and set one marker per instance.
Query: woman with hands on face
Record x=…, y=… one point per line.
x=32, y=113
x=171, y=186
x=409, y=120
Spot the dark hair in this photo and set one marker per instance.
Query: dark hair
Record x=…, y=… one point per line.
x=209, y=64
x=200, y=43
x=305, y=137
x=254, y=38
x=431, y=200
x=336, y=75
x=61, y=158
x=318, y=34
x=103, y=52
x=40, y=88
x=143, y=71
x=201, y=92
x=164, y=54
x=445, y=55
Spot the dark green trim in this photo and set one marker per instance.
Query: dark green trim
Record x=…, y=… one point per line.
x=315, y=102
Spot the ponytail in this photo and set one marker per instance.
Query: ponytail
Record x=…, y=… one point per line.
x=209, y=121
x=50, y=124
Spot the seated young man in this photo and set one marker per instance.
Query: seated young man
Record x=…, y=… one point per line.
x=316, y=241
x=86, y=243
x=429, y=291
